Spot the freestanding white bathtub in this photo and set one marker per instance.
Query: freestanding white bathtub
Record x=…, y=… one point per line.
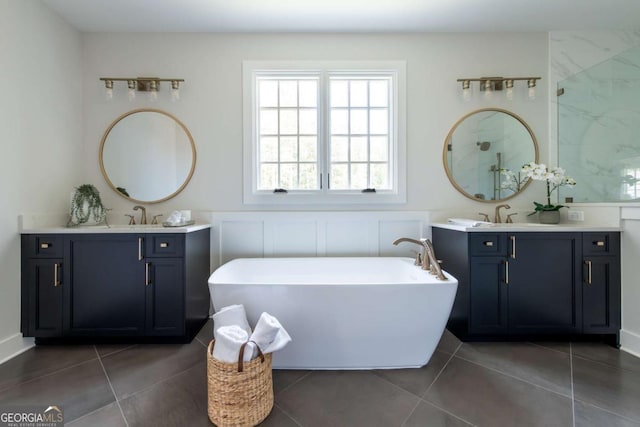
x=342, y=313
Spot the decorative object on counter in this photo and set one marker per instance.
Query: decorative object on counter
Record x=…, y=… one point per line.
x=554, y=179
x=178, y=219
x=86, y=207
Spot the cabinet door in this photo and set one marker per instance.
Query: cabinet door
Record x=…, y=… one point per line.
x=165, y=296
x=45, y=303
x=544, y=273
x=601, y=295
x=488, y=306
x=106, y=285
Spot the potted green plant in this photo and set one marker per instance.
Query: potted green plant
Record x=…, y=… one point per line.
x=86, y=207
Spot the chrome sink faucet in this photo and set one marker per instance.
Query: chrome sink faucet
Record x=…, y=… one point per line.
x=143, y=216
x=497, y=218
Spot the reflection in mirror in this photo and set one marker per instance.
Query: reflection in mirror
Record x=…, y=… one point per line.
x=482, y=148
x=147, y=156
x=598, y=128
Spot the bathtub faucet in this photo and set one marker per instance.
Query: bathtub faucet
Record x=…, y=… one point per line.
x=429, y=260
x=424, y=258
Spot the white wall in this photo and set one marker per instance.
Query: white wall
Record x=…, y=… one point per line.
x=40, y=133
x=211, y=101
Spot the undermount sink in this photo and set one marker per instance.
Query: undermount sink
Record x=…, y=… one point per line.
x=518, y=224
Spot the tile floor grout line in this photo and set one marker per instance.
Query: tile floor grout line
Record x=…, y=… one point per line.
x=573, y=396
x=117, y=351
x=547, y=348
x=441, y=370
x=447, y=412
x=568, y=396
x=608, y=411
x=57, y=371
x=404, y=423
x=115, y=396
x=127, y=396
x=293, y=383
x=287, y=414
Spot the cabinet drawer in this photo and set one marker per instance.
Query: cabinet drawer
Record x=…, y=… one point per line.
x=600, y=244
x=165, y=245
x=490, y=244
x=43, y=246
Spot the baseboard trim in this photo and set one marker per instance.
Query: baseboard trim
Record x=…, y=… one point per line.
x=630, y=342
x=13, y=345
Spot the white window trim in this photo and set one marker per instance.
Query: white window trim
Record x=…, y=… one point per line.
x=251, y=195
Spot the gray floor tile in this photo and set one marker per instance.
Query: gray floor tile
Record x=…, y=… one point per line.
x=206, y=333
x=42, y=360
x=529, y=362
x=178, y=401
x=428, y=415
x=615, y=390
x=485, y=397
x=277, y=418
x=590, y=416
x=346, y=398
x=77, y=390
x=107, y=349
x=416, y=381
x=109, y=415
x=599, y=352
x=139, y=367
x=449, y=343
x=563, y=347
x=283, y=378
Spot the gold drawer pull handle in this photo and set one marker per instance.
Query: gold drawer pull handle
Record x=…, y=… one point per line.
x=44, y=245
x=164, y=245
x=588, y=272
x=506, y=272
x=488, y=243
x=599, y=243
x=513, y=246
x=56, y=275
x=146, y=273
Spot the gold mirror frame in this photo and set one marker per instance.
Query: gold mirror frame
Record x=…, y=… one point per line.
x=147, y=110
x=447, y=142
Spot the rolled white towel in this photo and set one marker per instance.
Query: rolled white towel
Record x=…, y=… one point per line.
x=468, y=222
x=231, y=315
x=229, y=339
x=269, y=334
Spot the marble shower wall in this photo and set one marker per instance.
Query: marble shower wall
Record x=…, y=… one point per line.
x=598, y=117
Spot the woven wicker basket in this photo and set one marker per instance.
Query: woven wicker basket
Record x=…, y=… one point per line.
x=239, y=394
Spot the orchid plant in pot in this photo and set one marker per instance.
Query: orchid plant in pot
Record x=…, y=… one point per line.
x=554, y=178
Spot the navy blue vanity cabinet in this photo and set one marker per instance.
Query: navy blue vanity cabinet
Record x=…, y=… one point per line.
x=147, y=286
x=544, y=276
x=601, y=283
x=488, y=298
x=532, y=284
x=105, y=287
x=43, y=280
x=164, y=267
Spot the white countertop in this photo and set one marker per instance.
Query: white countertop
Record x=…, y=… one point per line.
x=526, y=227
x=115, y=228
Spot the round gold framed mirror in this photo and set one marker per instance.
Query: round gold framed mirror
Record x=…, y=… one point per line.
x=147, y=156
x=484, y=152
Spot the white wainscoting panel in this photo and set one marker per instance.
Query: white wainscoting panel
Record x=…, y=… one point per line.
x=289, y=234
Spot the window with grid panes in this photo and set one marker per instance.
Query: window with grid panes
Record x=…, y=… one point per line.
x=325, y=135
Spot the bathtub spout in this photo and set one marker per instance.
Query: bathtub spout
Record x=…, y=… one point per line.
x=426, y=264
x=435, y=264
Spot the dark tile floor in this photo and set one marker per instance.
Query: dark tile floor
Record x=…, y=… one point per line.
x=481, y=384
